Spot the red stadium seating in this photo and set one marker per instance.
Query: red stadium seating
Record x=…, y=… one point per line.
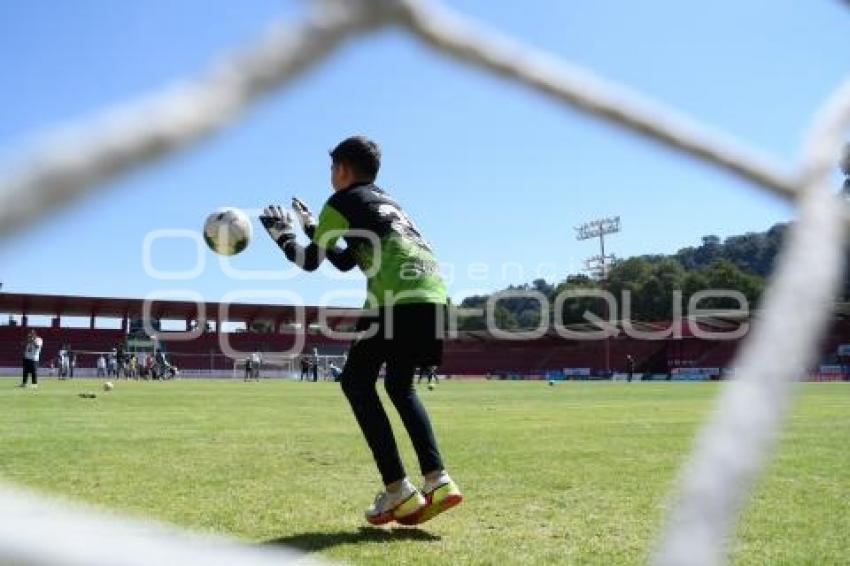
x=470, y=354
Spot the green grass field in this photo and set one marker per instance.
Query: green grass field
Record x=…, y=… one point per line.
x=578, y=473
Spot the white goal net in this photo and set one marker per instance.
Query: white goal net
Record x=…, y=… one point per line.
x=733, y=443
x=288, y=367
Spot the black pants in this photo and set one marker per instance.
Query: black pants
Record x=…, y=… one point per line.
x=416, y=339
x=30, y=369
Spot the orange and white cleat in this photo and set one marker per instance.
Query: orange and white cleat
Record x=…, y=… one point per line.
x=404, y=505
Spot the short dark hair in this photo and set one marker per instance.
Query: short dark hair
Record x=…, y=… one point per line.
x=360, y=154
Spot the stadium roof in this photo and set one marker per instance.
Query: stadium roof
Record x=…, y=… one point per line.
x=112, y=307
x=71, y=305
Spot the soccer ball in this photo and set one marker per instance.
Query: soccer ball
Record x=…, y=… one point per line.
x=430, y=386
x=108, y=386
x=227, y=231
x=551, y=382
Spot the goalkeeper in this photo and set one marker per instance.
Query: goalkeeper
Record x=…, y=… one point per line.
x=402, y=325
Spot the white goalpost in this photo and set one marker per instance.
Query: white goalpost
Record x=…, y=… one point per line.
x=269, y=368
x=85, y=536
x=287, y=367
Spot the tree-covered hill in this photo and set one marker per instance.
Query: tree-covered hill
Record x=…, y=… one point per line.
x=740, y=263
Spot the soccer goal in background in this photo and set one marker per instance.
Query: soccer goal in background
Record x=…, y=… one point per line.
x=288, y=367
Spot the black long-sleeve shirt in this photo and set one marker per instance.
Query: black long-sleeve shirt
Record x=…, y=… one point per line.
x=309, y=258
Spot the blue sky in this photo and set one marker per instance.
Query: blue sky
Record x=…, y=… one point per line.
x=492, y=173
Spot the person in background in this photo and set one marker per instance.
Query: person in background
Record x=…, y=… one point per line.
x=256, y=362
x=132, y=366
x=101, y=366
x=314, y=365
x=149, y=366
x=630, y=368
x=141, y=360
x=120, y=360
x=62, y=362
x=305, y=368
x=72, y=360
x=249, y=370
x=162, y=367
x=160, y=364
x=429, y=372
x=336, y=372
x=32, y=352
x=112, y=361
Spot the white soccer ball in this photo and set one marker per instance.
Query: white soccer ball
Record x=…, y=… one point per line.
x=108, y=386
x=227, y=231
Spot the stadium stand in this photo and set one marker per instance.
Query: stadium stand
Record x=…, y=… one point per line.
x=473, y=353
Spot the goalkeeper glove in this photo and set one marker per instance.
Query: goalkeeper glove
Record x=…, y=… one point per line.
x=278, y=223
x=305, y=217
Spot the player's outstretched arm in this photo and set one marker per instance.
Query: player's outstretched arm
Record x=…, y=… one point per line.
x=279, y=225
x=340, y=258
x=310, y=258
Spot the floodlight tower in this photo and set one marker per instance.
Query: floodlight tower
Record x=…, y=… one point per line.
x=598, y=265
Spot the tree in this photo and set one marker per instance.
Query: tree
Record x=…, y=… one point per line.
x=693, y=282
x=574, y=309
x=739, y=263
x=725, y=275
